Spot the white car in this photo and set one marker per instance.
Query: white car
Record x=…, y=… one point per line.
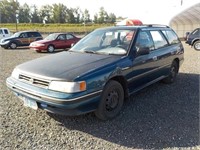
x=4, y=32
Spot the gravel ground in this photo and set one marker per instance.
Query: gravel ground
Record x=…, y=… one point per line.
x=158, y=117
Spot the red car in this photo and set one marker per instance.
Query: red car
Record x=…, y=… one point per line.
x=54, y=41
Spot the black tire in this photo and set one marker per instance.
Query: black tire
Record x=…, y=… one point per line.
x=173, y=73
x=13, y=45
x=50, y=48
x=112, y=100
x=197, y=45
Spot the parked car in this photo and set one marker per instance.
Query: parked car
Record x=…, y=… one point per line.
x=99, y=72
x=193, y=39
x=23, y=38
x=4, y=32
x=55, y=41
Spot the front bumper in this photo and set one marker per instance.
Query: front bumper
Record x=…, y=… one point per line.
x=56, y=102
x=38, y=48
x=4, y=45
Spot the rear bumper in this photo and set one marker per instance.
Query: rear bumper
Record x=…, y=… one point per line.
x=70, y=105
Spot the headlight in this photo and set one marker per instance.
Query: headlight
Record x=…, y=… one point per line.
x=5, y=42
x=37, y=44
x=68, y=87
x=15, y=74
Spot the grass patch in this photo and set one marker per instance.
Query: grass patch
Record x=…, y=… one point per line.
x=49, y=28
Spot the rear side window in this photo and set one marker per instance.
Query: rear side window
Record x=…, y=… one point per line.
x=69, y=36
x=158, y=39
x=171, y=37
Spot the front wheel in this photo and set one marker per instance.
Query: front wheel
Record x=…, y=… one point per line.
x=197, y=45
x=13, y=45
x=50, y=49
x=112, y=100
x=173, y=73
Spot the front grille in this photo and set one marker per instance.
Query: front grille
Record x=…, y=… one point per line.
x=34, y=81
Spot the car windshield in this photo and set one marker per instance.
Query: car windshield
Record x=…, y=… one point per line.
x=51, y=37
x=105, y=41
x=17, y=34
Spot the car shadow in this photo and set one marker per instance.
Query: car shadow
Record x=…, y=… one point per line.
x=159, y=116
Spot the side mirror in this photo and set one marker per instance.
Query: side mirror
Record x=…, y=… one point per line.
x=143, y=51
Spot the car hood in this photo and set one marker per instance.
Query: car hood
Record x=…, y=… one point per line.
x=9, y=38
x=65, y=65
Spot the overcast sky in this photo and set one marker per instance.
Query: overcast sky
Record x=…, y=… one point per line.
x=148, y=11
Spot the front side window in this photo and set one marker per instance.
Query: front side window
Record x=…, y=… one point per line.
x=144, y=41
x=61, y=37
x=23, y=35
x=158, y=39
x=108, y=42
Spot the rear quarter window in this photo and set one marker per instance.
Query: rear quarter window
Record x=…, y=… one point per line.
x=171, y=37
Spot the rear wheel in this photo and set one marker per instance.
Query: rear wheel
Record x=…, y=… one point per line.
x=13, y=45
x=197, y=45
x=50, y=49
x=173, y=73
x=112, y=100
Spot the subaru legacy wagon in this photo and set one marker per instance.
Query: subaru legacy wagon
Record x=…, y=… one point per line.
x=100, y=71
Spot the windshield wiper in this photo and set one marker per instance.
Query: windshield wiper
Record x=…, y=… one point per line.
x=90, y=51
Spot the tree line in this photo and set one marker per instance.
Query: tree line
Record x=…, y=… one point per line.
x=11, y=12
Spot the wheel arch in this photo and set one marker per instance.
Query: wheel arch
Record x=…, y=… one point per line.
x=178, y=62
x=124, y=84
x=195, y=41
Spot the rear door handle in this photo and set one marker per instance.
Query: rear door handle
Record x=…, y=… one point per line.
x=155, y=58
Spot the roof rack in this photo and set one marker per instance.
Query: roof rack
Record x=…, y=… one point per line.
x=156, y=25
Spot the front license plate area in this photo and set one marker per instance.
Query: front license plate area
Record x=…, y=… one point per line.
x=29, y=102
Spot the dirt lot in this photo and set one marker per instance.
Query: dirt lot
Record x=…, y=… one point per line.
x=158, y=117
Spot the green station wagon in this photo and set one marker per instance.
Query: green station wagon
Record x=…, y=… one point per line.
x=100, y=71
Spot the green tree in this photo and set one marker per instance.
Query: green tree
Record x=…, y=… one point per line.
x=103, y=15
x=95, y=18
x=35, y=15
x=8, y=11
x=112, y=18
x=59, y=13
x=24, y=13
x=46, y=13
x=85, y=16
x=70, y=16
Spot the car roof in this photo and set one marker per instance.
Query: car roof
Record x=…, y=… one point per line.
x=151, y=26
x=26, y=31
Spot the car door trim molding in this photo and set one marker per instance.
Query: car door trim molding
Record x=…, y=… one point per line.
x=146, y=73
